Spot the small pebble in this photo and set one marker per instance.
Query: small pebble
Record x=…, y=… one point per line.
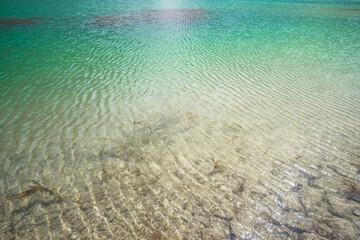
x=284, y=234
x=297, y=188
x=356, y=213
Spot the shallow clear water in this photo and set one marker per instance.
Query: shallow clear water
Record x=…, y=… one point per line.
x=179, y=119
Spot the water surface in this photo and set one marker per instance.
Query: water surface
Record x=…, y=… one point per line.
x=179, y=119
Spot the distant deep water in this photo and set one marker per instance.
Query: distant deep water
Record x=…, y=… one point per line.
x=179, y=119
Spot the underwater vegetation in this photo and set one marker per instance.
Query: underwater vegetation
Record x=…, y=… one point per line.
x=20, y=21
x=353, y=191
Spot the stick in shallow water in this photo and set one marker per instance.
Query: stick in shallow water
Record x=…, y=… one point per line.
x=37, y=188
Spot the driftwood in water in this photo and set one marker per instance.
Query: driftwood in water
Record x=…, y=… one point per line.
x=217, y=168
x=20, y=21
x=168, y=15
x=37, y=188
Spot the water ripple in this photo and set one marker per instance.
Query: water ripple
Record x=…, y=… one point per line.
x=192, y=122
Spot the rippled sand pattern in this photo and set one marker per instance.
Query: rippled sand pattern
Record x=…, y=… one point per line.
x=197, y=122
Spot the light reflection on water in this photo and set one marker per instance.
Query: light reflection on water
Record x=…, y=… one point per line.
x=204, y=121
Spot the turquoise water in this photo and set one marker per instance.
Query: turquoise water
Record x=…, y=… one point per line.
x=179, y=119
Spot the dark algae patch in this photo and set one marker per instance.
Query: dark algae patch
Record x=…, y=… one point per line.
x=239, y=188
x=353, y=191
x=232, y=235
x=20, y=21
x=291, y=227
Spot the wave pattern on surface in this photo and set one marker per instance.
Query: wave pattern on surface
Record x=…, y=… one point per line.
x=243, y=124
